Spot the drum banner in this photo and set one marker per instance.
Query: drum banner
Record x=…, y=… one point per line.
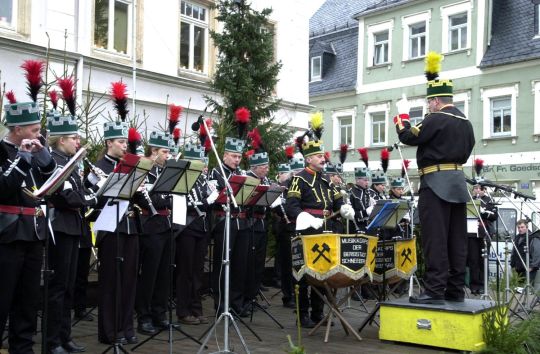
x=398, y=258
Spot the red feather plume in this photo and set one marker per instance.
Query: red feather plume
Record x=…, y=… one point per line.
x=119, y=95
x=177, y=133
x=207, y=146
x=478, y=166
x=405, y=167
x=249, y=153
x=364, y=155
x=289, y=151
x=256, y=140
x=299, y=141
x=53, y=95
x=33, y=71
x=174, y=116
x=10, y=95
x=68, y=93
x=327, y=156
x=242, y=116
x=343, y=150
x=202, y=129
x=385, y=156
x=134, y=139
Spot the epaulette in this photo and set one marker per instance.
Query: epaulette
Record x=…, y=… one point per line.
x=453, y=115
x=416, y=129
x=306, y=177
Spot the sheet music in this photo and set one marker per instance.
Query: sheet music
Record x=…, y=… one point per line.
x=472, y=226
x=179, y=209
x=106, y=220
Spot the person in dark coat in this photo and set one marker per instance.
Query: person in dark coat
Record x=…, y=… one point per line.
x=192, y=244
x=445, y=140
x=25, y=164
x=67, y=220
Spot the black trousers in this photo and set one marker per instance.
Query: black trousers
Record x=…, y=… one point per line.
x=125, y=285
x=63, y=255
x=153, y=282
x=191, y=248
x=308, y=297
x=81, y=280
x=20, y=272
x=238, y=248
x=444, y=242
x=475, y=263
x=256, y=263
x=287, y=280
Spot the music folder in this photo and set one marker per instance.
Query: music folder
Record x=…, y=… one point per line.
x=126, y=178
x=388, y=213
x=242, y=188
x=264, y=195
x=178, y=176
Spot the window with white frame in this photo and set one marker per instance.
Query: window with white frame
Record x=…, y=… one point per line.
x=8, y=13
x=316, y=68
x=379, y=50
x=461, y=102
x=345, y=130
x=456, y=24
x=417, y=40
x=501, y=116
x=378, y=128
x=460, y=105
x=457, y=31
x=193, y=37
x=416, y=115
x=499, y=111
x=112, y=25
x=380, y=47
x=536, y=88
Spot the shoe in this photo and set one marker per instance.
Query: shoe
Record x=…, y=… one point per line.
x=58, y=350
x=454, y=298
x=427, y=299
x=132, y=340
x=318, y=318
x=289, y=304
x=306, y=322
x=83, y=316
x=73, y=347
x=146, y=328
x=202, y=320
x=189, y=320
x=162, y=324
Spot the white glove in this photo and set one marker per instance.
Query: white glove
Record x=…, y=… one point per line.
x=305, y=220
x=347, y=212
x=276, y=203
x=369, y=210
x=212, y=197
x=67, y=185
x=403, y=106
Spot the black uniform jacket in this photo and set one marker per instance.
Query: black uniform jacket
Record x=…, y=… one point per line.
x=311, y=190
x=259, y=213
x=198, y=218
x=158, y=223
x=15, y=176
x=442, y=137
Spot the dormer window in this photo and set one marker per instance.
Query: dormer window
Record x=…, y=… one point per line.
x=316, y=68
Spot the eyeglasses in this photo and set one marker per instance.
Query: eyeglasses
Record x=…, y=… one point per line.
x=74, y=137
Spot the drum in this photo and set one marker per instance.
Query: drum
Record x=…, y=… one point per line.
x=396, y=259
x=338, y=260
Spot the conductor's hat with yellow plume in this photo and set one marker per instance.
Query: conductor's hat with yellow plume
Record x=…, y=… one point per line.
x=310, y=142
x=436, y=87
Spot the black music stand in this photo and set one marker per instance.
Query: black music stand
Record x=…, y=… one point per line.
x=51, y=185
x=388, y=214
x=263, y=196
x=121, y=184
x=177, y=177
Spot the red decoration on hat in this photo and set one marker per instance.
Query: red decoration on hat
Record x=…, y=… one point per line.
x=405, y=167
x=256, y=140
x=385, y=156
x=207, y=146
x=343, y=150
x=174, y=116
x=242, y=117
x=289, y=151
x=478, y=166
x=177, y=133
x=68, y=93
x=134, y=140
x=10, y=95
x=119, y=95
x=327, y=156
x=33, y=71
x=364, y=155
x=249, y=153
x=53, y=95
x=202, y=129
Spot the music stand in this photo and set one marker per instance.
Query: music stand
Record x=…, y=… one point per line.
x=121, y=184
x=237, y=190
x=264, y=196
x=389, y=214
x=177, y=177
x=47, y=189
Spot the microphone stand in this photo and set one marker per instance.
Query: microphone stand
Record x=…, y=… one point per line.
x=226, y=315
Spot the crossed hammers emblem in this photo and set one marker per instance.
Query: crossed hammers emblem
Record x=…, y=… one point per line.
x=406, y=254
x=325, y=248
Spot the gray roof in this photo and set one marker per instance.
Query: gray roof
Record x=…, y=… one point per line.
x=513, y=34
x=380, y=5
x=335, y=15
x=339, y=70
